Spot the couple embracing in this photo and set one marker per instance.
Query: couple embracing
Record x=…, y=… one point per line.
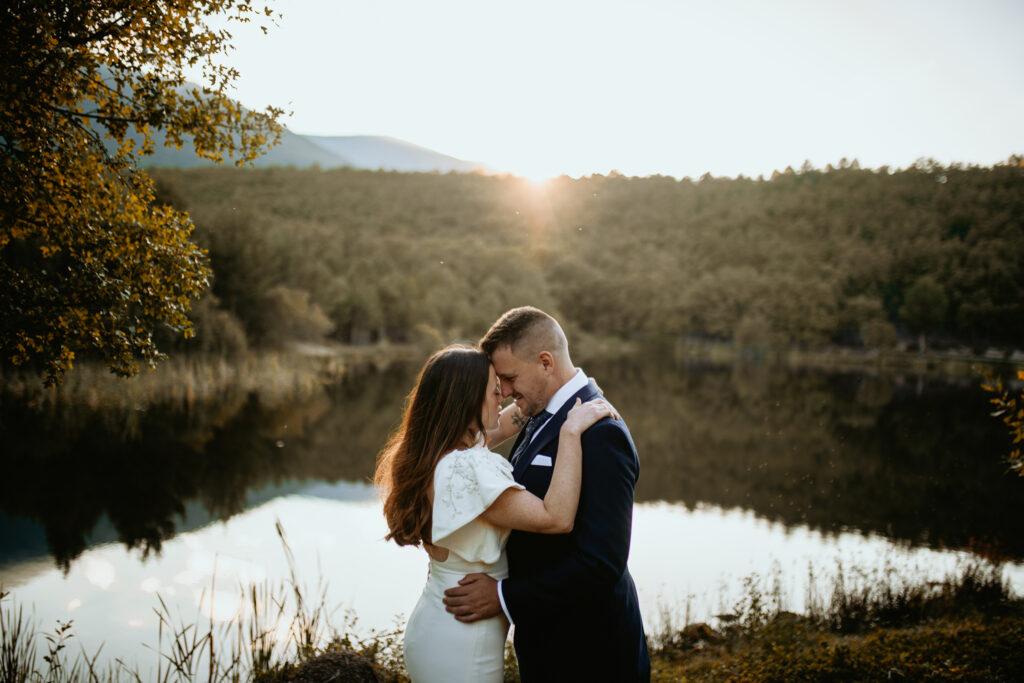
x=540, y=540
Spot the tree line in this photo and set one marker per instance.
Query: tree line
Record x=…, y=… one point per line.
x=930, y=254
x=94, y=267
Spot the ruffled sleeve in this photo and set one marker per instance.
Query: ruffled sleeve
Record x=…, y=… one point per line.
x=466, y=482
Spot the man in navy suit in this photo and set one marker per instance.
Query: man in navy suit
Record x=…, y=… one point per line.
x=570, y=597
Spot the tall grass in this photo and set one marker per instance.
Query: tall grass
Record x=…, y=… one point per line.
x=845, y=602
x=191, y=379
x=278, y=626
x=284, y=631
x=878, y=625
x=22, y=658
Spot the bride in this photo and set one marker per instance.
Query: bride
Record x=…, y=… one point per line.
x=443, y=487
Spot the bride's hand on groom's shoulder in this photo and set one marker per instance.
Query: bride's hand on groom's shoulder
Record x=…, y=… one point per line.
x=583, y=415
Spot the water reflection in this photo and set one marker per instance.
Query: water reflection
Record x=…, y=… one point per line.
x=911, y=461
x=678, y=556
x=78, y=476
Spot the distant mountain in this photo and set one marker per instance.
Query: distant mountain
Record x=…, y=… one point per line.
x=293, y=150
x=382, y=152
x=303, y=151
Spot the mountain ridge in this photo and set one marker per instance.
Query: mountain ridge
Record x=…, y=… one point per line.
x=369, y=152
x=388, y=153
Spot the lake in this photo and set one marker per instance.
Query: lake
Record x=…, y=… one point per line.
x=744, y=469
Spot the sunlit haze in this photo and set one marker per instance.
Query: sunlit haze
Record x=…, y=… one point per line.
x=676, y=88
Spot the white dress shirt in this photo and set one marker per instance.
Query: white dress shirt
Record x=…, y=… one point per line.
x=578, y=381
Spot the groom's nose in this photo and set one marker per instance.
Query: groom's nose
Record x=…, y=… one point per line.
x=506, y=389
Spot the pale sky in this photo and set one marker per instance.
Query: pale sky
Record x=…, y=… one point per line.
x=645, y=87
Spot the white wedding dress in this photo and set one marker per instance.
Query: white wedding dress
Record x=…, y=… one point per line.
x=437, y=646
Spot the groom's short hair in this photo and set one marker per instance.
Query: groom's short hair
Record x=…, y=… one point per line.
x=526, y=331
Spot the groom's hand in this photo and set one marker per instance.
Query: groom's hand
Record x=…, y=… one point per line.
x=475, y=598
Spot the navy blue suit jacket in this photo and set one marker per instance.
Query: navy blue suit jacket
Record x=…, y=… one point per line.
x=570, y=596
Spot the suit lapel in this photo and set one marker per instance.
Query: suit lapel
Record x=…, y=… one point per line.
x=549, y=432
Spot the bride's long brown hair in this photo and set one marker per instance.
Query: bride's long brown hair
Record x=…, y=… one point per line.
x=442, y=407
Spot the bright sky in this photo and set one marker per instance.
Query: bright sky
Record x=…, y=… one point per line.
x=651, y=86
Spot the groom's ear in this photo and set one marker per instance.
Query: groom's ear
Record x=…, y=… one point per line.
x=546, y=360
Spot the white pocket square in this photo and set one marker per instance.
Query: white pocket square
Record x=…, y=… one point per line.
x=542, y=460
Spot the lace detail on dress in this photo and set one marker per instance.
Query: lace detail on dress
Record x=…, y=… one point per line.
x=466, y=483
x=463, y=485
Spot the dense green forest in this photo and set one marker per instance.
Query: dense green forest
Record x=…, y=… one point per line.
x=928, y=255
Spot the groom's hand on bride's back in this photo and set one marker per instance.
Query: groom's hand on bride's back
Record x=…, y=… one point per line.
x=475, y=598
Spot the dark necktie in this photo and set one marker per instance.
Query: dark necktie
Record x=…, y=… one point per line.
x=531, y=426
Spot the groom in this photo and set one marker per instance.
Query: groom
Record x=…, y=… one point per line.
x=570, y=596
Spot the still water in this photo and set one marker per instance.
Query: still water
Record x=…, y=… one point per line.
x=743, y=470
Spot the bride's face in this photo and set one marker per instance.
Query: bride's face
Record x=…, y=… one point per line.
x=492, y=401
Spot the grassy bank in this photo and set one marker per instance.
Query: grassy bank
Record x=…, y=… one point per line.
x=876, y=627
x=954, y=648
x=949, y=363
x=188, y=380
x=866, y=627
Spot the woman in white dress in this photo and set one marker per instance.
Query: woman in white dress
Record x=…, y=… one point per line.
x=444, y=488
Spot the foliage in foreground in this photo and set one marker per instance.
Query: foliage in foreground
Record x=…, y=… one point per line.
x=970, y=648
x=1010, y=409
x=88, y=263
x=277, y=627
x=870, y=627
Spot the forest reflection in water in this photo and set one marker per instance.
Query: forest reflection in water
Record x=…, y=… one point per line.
x=912, y=460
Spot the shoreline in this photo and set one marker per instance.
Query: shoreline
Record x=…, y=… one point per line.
x=950, y=363
x=863, y=628
x=194, y=378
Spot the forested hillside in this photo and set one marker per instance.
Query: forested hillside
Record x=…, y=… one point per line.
x=928, y=255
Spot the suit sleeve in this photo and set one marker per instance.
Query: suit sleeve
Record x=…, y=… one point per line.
x=601, y=531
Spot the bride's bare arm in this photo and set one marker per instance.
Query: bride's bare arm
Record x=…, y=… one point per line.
x=510, y=421
x=555, y=514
